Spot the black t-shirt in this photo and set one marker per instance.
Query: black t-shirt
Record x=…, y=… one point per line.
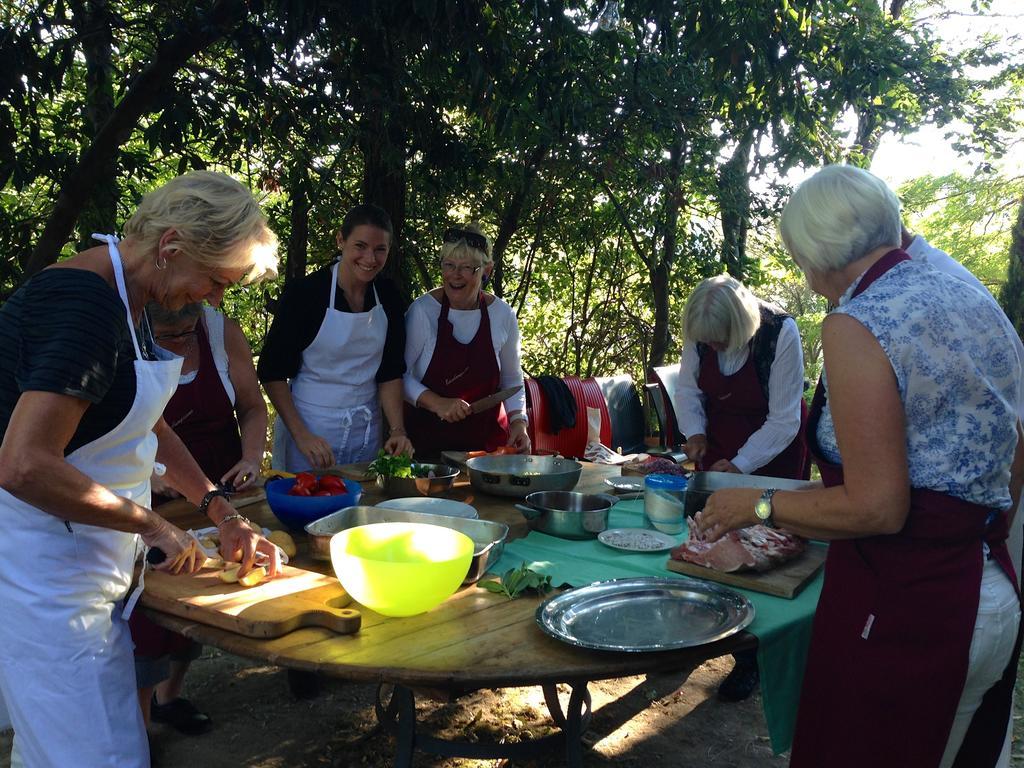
x=301, y=312
x=66, y=331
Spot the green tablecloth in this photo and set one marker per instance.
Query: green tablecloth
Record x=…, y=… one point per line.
x=782, y=627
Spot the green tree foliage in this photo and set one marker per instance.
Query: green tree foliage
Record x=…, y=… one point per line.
x=613, y=169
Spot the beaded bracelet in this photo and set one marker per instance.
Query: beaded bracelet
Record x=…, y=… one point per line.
x=210, y=496
x=235, y=516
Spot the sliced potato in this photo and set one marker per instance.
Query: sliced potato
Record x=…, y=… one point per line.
x=284, y=540
x=253, y=577
x=230, y=574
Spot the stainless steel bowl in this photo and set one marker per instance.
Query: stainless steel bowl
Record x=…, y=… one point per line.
x=702, y=484
x=567, y=514
x=518, y=476
x=444, y=477
x=488, y=536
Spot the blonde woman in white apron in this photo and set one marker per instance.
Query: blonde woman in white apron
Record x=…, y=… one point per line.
x=80, y=405
x=330, y=375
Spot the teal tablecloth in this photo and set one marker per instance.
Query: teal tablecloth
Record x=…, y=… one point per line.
x=782, y=627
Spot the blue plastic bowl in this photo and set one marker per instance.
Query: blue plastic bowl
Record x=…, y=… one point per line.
x=295, y=512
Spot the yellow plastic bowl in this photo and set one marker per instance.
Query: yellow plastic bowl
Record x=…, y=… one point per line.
x=401, y=569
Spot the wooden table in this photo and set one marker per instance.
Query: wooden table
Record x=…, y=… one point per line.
x=474, y=640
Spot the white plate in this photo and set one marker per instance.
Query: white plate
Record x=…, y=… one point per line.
x=632, y=483
x=431, y=505
x=636, y=540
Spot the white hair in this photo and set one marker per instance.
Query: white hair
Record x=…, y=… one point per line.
x=837, y=216
x=721, y=310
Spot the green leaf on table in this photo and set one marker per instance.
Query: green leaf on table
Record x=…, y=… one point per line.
x=515, y=581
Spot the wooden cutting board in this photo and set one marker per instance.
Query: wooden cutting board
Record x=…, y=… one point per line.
x=295, y=598
x=787, y=580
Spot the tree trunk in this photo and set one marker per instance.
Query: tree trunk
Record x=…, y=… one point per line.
x=298, y=216
x=734, y=201
x=511, y=216
x=196, y=34
x=1012, y=294
x=92, y=23
x=663, y=268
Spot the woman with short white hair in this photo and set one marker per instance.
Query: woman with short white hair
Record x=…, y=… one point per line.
x=915, y=641
x=740, y=401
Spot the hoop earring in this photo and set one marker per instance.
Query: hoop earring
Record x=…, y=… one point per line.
x=160, y=262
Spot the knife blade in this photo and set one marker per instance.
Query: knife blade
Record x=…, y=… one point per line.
x=492, y=400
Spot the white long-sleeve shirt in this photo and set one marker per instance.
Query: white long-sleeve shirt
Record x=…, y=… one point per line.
x=421, y=338
x=785, y=392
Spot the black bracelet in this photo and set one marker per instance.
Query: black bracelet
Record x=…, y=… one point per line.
x=210, y=496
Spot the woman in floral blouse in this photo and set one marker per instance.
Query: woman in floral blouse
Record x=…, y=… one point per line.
x=914, y=429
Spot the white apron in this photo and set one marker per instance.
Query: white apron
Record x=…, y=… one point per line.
x=66, y=659
x=335, y=390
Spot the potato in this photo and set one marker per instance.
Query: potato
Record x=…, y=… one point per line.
x=253, y=577
x=284, y=540
x=230, y=574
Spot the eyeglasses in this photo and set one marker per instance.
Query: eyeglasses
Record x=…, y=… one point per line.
x=473, y=239
x=460, y=269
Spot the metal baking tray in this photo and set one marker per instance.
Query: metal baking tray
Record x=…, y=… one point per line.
x=645, y=614
x=488, y=536
x=702, y=484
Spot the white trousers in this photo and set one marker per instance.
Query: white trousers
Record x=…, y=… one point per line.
x=995, y=631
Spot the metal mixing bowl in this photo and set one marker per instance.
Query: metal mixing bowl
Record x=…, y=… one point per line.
x=442, y=480
x=568, y=514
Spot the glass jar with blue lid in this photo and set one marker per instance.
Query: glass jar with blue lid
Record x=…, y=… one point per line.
x=665, y=503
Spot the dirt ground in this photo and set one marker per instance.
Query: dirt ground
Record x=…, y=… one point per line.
x=667, y=720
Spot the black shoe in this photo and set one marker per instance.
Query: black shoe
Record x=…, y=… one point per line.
x=182, y=715
x=740, y=683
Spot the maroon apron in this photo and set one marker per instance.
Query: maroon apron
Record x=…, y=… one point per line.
x=736, y=408
x=203, y=416
x=466, y=371
x=892, y=633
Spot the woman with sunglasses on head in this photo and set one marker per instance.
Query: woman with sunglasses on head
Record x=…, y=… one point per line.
x=463, y=344
x=82, y=390
x=219, y=413
x=334, y=355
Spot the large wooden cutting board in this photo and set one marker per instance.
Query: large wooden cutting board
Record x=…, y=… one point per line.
x=787, y=580
x=295, y=598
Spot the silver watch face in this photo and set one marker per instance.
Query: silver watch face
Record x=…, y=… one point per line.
x=763, y=508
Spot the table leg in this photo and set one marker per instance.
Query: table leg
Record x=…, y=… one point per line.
x=398, y=716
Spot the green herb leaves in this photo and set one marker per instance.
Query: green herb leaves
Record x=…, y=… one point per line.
x=517, y=580
x=386, y=465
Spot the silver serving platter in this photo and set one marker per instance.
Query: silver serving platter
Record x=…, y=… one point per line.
x=645, y=614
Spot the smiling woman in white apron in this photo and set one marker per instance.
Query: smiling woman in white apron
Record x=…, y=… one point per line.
x=334, y=355
x=81, y=393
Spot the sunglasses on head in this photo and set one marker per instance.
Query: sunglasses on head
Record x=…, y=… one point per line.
x=473, y=239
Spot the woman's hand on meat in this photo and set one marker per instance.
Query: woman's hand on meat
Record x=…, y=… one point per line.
x=398, y=444
x=518, y=437
x=724, y=465
x=239, y=543
x=452, y=409
x=183, y=555
x=726, y=510
x=242, y=475
x=696, y=447
x=317, y=450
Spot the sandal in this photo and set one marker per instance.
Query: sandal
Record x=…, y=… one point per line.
x=182, y=715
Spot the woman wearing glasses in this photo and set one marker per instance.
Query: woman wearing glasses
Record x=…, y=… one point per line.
x=334, y=355
x=462, y=344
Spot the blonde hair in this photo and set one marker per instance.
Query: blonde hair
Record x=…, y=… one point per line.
x=464, y=250
x=216, y=223
x=837, y=216
x=723, y=311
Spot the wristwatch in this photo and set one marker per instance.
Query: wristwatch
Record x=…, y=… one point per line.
x=763, y=508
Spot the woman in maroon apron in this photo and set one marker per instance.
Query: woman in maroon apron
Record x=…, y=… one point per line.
x=462, y=344
x=219, y=413
x=740, y=401
x=916, y=637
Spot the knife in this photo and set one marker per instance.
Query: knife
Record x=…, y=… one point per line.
x=492, y=400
